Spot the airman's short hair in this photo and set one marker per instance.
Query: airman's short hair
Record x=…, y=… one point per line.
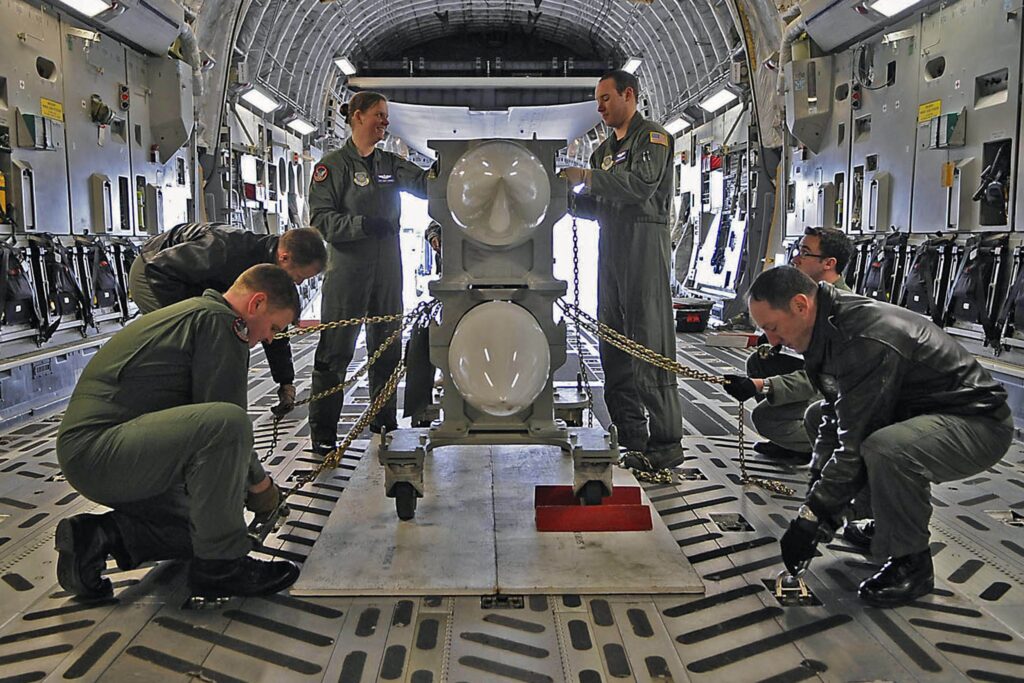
x=273, y=281
x=777, y=287
x=834, y=244
x=305, y=246
x=623, y=80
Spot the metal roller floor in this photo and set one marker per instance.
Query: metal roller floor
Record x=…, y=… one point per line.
x=970, y=628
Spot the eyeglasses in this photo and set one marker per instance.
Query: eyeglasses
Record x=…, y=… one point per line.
x=803, y=253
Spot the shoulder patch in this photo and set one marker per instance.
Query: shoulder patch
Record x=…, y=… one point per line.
x=320, y=173
x=659, y=138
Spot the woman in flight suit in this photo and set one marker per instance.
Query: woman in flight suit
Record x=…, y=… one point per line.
x=354, y=202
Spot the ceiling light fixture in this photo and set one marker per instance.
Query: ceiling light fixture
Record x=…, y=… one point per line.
x=260, y=98
x=632, y=64
x=347, y=67
x=718, y=100
x=89, y=8
x=300, y=125
x=891, y=8
x=677, y=125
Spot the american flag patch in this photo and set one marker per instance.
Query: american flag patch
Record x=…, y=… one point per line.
x=659, y=138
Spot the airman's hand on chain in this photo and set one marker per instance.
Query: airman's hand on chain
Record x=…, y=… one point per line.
x=263, y=499
x=739, y=387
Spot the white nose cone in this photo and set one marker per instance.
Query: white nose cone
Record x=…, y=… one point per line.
x=499, y=358
x=499, y=191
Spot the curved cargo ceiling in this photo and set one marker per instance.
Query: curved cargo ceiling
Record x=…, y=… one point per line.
x=685, y=45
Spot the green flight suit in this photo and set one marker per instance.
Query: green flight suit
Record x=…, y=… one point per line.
x=364, y=273
x=630, y=195
x=780, y=417
x=157, y=429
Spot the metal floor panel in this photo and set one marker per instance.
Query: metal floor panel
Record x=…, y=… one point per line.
x=970, y=628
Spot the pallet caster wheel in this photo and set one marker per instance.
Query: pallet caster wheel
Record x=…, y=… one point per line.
x=591, y=493
x=405, y=500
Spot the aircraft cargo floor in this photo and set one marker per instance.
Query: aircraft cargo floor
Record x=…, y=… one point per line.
x=970, y=628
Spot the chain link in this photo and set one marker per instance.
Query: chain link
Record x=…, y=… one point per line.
x=421, y=313
x=580, y=319
x=624, y=343
x=583, y=376
x=334, y=324
x=332, y=459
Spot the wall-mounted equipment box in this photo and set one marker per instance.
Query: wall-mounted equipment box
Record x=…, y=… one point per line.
x=38, y=132
x=21, y=198
x=171, y=112
x=877, y=204
x=809, y=100
x=826, y=212
x=948, y=130
x=101, y=196
x=154, y=209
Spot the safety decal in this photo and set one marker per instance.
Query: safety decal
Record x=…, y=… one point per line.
x=607, y=162
x=361, y=178
x=659, y=138
x=319, y=173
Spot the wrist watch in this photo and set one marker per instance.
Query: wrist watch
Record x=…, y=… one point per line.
x=766, y=387
x=807, y=513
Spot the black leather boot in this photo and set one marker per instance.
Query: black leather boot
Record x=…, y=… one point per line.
x=83, y=544
x=776, y=452
x=322, y=448
x=901, y=580
x=241, y=577
x=860, y=532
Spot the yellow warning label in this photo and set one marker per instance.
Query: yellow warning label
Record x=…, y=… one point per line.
x=929, y=110
x=51, y=109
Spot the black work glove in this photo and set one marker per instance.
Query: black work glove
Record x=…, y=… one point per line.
x=285, y=400
x=264, y=503
x=739, y=387
x=379, y=228
x=799, y=544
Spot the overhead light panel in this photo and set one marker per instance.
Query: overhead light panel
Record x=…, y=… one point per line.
x=89, y=8
x=891, y=8
x=718, y=100
x=261, y=99
x=677, y=125
x=632, y=64
x=300, y=125
x=347, y=67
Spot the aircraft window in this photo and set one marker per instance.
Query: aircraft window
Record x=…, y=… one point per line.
x=46, y=69
x=934, y=68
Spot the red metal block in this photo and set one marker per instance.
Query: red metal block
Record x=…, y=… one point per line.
x=557, y=509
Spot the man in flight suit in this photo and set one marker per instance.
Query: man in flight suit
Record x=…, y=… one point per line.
x=157, y=429
x=907, y=406
x=780, y=378
x=192, y=257
x=628, y=190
